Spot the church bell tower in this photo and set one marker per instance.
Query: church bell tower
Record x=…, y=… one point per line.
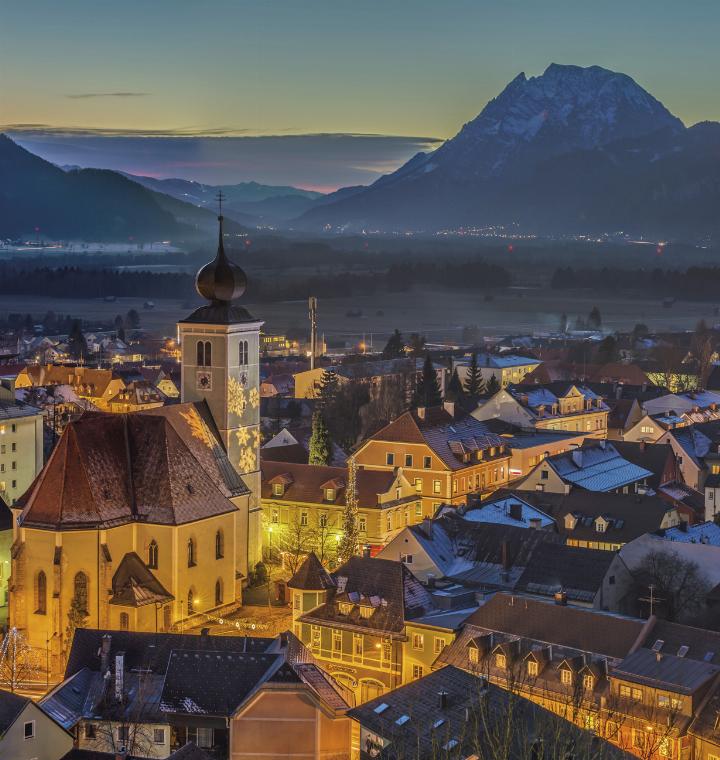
x=220, y=365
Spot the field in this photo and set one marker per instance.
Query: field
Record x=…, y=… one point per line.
x=438, y=314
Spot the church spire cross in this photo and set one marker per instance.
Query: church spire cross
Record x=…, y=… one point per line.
x=220, y=197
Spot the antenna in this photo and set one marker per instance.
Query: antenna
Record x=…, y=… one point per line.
x=312, y=309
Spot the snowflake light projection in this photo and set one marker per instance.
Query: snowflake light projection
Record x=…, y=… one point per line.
x=243, y=437
x=237, y=397
x=247, y=459
x=249, y=443
x=254, y=398
x=198, y=429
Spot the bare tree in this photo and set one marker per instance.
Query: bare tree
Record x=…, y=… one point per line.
x=19, y=662
x=679, y=586
x=294, y=541
x=703, y=351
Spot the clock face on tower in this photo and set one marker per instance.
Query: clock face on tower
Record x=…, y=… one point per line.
x=203, y=380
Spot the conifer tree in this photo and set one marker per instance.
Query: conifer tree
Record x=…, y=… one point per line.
x=493, y=386
x=327, y=390
x=474, y=383
x=455, y=388
x=320, y=442
x=350, y=540
x=428, y=389
x=395, y=347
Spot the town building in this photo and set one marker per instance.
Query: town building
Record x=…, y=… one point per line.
x=507, y=369
x=553, y=406
x=136, y=396
x=444, y=453
x=303, y=505
x=234, y=697
x=28, y=733
x=97, y=386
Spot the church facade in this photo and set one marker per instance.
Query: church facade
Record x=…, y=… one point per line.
x=141, y=520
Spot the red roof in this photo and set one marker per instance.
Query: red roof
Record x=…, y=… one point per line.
x=162, y=466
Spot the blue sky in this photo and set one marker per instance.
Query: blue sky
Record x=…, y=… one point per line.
x=410, y=69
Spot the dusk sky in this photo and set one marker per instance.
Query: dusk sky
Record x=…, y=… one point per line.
x=85, y=80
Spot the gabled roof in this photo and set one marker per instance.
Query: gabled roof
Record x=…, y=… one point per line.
x=387, y=586
x=311, y=576
x=11, y=705
x=163, y=466
x=665, y=671
x=308, y=483
x=134, y=585
x=443, y=432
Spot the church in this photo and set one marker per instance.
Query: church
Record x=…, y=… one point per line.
x=141, y=520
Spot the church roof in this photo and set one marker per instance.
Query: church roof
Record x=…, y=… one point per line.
x=311, y=576
x=134, y=584
x=163, y=466
x=219, y=314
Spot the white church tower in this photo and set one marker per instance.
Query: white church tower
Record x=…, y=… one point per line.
x=220, y=365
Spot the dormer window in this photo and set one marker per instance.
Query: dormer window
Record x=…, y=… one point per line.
x=329, y=494
x=532, y=668
x=366, y=612
x=278, y=489
x=501, y=661
x=588, y=682
x=600, y=525
x=345, y=608
x=474, y=655
x=566, y=676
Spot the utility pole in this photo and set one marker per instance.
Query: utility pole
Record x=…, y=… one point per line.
x=312, y=313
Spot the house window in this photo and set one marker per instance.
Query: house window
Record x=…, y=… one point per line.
x=436, y=486
x=204, y=738
x=304, y=519
x=329, y=494
x=417, y=672
x=124, y=621
x=408, y=460
x=219, y=545
x=418, y=509
x=159, y=735
x=123, y=734
x=387, y=651
x=41, y=594
x=544, y=474
x=315, y=637
x=390, y=458
x=427, y=462
x=501, y=661
x=532, y=668
x=588, y=682
x=474, y=655
x=418, y=484
x=218, y=592
x=406, y=558
x=388, y=522
x=439, y=644
x=566, y=676
x=153, y=555
x=80, y=592
x=362, y=524
x=631, y=693
x=29, y=729
x=191, y=558
x=322, y=520
x=357, y=645
x=278, y=489
x=337, y=641
x=669, y=703
x=275, y=518
x=418, y=641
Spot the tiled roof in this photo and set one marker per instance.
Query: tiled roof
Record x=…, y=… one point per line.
x=557, y=567
x=502, y=361
x=294, y=453
x=575, y=627
x=445, y=434
x=387, y=586
x=11, y=705
x=309, y=482
x=519, y=438
x=311, y=576
x=597, y=466
x=13, y=410
x=163, y=466
x=665, y=671
x=511, y=509
x=134, y=585
x=656, y=457
x=702, y=533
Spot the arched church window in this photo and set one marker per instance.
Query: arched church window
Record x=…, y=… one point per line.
x=218, y=592
x=200, y=353
x=80, y=592
x=191, y=558
x=243, y=350
x=208, y=353
x=41, y=594
x=219, y=545
x=191, y=601
x=153, y=555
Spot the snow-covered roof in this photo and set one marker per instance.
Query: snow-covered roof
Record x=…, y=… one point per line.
x=502, y=511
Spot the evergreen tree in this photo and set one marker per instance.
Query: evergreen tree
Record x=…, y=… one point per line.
x=493, y=386
x=350, y=539
x=77, y=345
x=417, y=344
x=608, y=350
x=428, y=389
x=395, y=347
x=474, y=383
x=455, y=389
x=76, y=618
x=327, y=390
x=320, y=441
x=132, y=320
x=594, y=319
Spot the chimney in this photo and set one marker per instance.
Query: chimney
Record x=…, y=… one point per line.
x=105, y=653
x=119, y=675
x=577, y=457
x=366, y=551
x=283, y=640
x=427, y=527
x=642, y=445
x=431, y=580
x=505, y=555
x=561, y=598
x=449, y=407
x=443, y=699
x=421, y=412
x=535, y=523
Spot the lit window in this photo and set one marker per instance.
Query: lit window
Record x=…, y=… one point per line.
x=417, y=672
x=406, y=558
x=439, y=644
x=566, y=676
x=362, y=524
x=532, y=668
x=474, y=655
x=588, y=682
x=418, y=641
x=337, y=641
x=278, y=489
x=501, y=661
x=436, y=486
x=315, y=637
x=418, y=485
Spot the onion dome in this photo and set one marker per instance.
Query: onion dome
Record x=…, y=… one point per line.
x=221, y=281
